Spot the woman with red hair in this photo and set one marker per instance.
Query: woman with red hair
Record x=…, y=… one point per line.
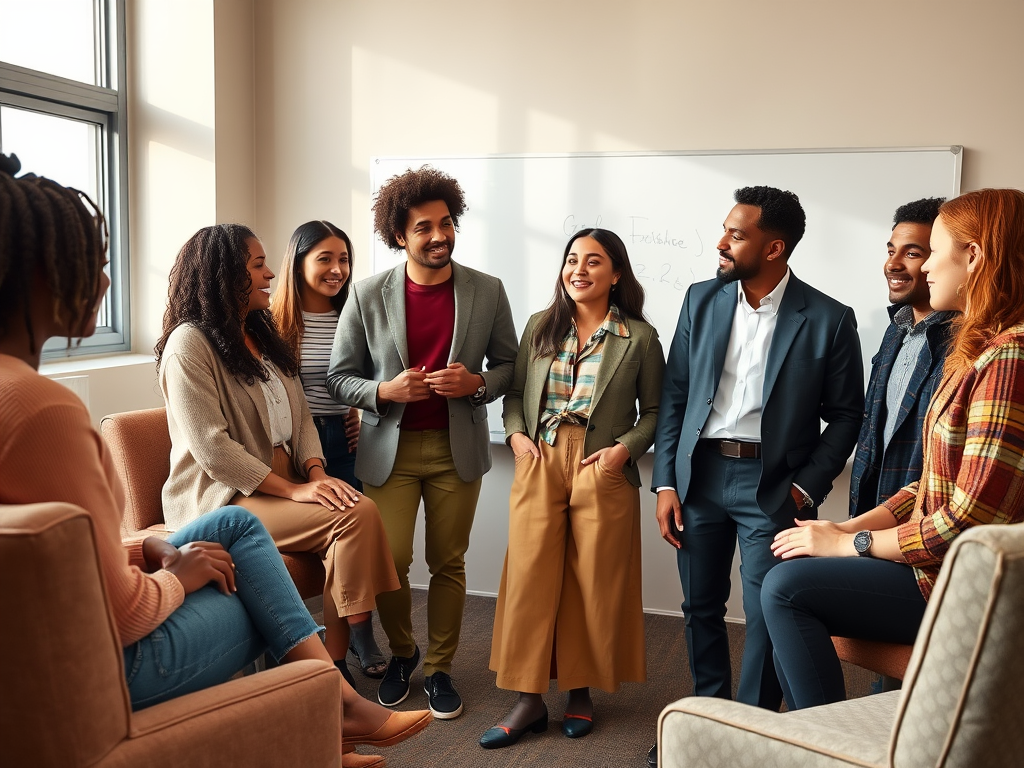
x=870, y=577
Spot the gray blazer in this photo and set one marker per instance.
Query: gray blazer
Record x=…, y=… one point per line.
x=220, y=429
x=370, y=346
x=630, y=372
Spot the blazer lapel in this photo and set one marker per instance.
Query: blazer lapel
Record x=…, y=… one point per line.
x=464, y=294
x=393, y=294
x=536, y=382
x=614, y=350
x=721, y=325
x=786, y=327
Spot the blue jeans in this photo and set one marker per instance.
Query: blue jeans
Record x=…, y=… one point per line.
x=211, y=636
x=341, y=462
x=806, y=601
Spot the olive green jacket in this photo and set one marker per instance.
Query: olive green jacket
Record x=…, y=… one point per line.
x=630, y=372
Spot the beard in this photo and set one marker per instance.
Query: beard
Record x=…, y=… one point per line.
x=736, y=272
x=424, y=260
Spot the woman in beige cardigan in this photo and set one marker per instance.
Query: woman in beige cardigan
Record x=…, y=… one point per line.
x=569, y=605
x=241, y=432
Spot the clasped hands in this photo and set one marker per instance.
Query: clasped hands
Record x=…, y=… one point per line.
x=415, y=384
x=195, y=564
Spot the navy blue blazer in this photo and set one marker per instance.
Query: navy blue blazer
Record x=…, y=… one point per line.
x=878, y=472
x=813, y=373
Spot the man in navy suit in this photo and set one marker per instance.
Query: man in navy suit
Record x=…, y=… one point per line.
x=758, y=360
x=907, y=368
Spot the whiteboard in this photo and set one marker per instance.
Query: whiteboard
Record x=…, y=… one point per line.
x=668, y=208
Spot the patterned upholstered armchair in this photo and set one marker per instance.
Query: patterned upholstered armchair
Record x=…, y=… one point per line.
x=958, y=707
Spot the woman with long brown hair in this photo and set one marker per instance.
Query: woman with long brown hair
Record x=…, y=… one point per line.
x=581, y=411
x=314, y=286
x=870, y=577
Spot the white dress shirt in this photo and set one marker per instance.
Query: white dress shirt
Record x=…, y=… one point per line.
x=736, y=411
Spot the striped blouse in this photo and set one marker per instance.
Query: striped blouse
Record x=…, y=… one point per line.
x=571, y=378
x=315, y=359
x=973, y=458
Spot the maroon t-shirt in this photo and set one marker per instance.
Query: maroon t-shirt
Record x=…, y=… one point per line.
x=429, y=327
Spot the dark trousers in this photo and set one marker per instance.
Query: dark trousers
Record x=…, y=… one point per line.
x=720, y=508
x=808, y=600
x=341, y=463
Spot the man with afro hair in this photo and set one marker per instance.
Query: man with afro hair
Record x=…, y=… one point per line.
x=410, y=351
x=758, y=360
x=907, y=368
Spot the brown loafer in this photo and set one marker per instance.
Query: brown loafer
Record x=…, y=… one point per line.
x=355, y=760
x=397, y=728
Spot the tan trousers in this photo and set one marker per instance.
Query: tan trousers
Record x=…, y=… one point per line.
x=424, y=469
x=570, y=605
x=351, y=541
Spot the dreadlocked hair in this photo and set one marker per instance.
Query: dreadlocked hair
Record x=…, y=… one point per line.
x=400, y=193
x=56, y=230
x=209, y=290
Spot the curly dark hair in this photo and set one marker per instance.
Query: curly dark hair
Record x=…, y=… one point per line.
x=209, y=289
x=53, y=230
x=923, y=211
x=781, y=213
x=628, y=295
x=400, y=193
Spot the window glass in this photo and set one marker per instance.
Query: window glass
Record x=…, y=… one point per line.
x=66, y=48
x=60, y=148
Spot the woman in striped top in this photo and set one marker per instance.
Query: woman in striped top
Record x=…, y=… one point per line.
x=314, y=287
x=870, y=577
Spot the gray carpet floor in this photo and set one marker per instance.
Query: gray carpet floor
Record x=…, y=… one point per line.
x=624, y=723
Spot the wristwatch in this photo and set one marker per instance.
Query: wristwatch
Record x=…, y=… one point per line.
x=480, y=393
x=862, y=543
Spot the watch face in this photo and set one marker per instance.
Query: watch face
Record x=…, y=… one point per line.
x=862, y=542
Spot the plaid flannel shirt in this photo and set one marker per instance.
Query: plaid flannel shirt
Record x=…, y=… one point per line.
x=973, y=458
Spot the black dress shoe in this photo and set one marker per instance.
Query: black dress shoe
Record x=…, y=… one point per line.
x=501, y=736
x=652, y=757
x=575, y=726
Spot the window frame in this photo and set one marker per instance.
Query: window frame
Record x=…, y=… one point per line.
x=106, y=107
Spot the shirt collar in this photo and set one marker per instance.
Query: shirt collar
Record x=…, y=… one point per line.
x=773, y=300
x=613, y=323
x=902, y=315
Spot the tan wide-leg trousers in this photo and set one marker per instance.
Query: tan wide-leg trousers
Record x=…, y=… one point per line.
x=351, y=541
x=570, y=604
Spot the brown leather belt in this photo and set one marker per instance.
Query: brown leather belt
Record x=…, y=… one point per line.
x=735, y=449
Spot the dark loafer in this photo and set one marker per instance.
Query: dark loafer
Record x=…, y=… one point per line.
x=652, y=757
x=575, y=726
x=501, y=736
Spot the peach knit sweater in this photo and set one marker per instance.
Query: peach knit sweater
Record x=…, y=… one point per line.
x=49, y=451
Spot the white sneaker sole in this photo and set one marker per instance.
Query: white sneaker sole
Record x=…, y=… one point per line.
x=445, y=715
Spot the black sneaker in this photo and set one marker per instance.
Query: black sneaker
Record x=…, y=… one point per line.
x=394, y=687
x=445, y=701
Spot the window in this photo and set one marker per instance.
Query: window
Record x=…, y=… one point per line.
x=63, y=113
